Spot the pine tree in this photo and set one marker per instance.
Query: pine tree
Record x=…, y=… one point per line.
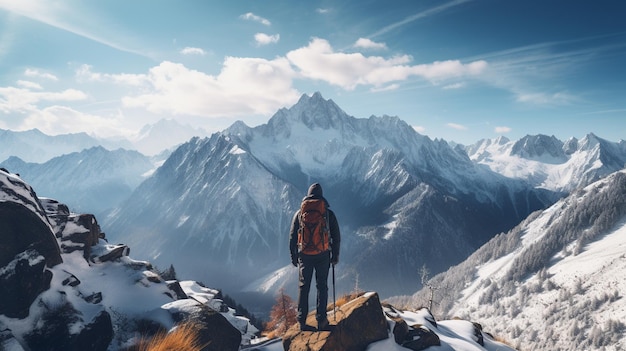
x=283, y=314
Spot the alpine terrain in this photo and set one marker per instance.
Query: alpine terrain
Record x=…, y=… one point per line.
x=219, y=208
x=65, y=286
x=554, y=282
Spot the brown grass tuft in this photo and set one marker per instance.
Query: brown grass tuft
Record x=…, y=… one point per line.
x=183, y=338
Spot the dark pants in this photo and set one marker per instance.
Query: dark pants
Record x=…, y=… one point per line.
x=307, y=264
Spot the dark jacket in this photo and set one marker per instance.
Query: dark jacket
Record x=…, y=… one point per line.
x=315, y=192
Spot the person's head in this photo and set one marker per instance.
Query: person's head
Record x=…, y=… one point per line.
x=315, y=190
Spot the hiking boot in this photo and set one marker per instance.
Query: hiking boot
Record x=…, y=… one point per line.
x=323, y=325
x=304, y=327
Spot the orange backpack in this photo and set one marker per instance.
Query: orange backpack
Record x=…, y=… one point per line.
x=313, y=234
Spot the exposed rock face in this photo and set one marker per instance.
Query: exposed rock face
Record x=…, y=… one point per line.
x=21, y=230
x=360, y=322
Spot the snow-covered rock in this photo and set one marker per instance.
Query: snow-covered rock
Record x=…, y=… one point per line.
x=69, y=289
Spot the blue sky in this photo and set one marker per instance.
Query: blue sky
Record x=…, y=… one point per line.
x=460, y=70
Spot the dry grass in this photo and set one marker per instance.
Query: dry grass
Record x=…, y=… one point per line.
x=344, y=299
x=183, y=338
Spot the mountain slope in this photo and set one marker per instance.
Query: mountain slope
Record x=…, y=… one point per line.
x=556, y=281
x=93, y=180
x=549, y=163
x=402, y=200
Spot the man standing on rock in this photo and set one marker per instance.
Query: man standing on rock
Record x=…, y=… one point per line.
x=314, y=241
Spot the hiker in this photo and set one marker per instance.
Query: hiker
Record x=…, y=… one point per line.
x=314, y=241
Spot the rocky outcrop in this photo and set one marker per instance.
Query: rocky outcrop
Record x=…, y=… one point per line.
x=415, y=337
x=359, y=323
x=22, y=230
x=214, y=331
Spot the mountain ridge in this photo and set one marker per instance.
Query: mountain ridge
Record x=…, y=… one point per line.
x=558, y=274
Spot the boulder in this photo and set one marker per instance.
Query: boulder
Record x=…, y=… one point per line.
x=214, y=330
x=415, y=337
x=359, y=323
x=22, y=229
x=420, y=338
x=56, y=329
x=21, y=281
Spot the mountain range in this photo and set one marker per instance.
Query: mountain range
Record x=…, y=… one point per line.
x=93, y=180
x=220, y=208
x=36, y=147
x=549, y=163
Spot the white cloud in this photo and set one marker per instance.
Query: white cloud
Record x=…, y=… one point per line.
x=369, y=44
x=33, y=73
x=264, y=39
x=252, y=17
x=319, y=61
x=192, y=51
x=56, y=120
x=322, y=10
x=19, y=100
x=390, y=87
x=244, y=86
x=29, y=85
x=85, y=73
x=456, y=126
x=502, y=129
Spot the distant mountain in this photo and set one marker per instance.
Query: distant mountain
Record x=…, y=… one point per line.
x=153, y=139
x=554, y=282
x=35, y=146
x=92, y=181
x=549, y=163
x=225, y=203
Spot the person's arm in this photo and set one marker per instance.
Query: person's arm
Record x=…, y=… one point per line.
x=293, y=239
x=335, y=236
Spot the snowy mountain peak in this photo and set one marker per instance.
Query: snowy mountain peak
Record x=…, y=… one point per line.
x=315, y=111
x=547, y=148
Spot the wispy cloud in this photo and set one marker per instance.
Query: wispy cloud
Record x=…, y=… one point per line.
x=456, y=126
x=365, y=43
x=265, y=39
x=322, y=10
x=61, y=16
x=417, y=16
x=502, y=129
x=193, y=51
x=34, y=73
x=252, y=17
x=539, y=74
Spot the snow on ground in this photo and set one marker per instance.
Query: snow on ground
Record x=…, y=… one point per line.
x=454, y=335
